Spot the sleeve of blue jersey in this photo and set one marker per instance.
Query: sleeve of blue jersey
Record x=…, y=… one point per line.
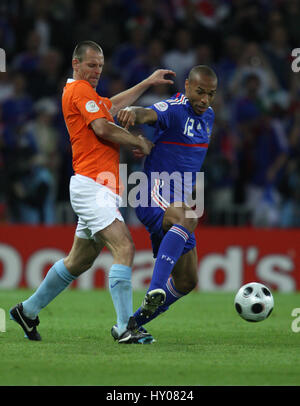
x=164, y=114
x=211, y=116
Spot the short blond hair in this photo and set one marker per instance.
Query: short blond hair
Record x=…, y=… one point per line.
x=82, y=47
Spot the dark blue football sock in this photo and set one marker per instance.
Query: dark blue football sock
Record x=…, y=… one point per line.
x=169, y=252
x=172, y=295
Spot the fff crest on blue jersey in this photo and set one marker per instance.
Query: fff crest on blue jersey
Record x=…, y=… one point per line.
x=207, y=130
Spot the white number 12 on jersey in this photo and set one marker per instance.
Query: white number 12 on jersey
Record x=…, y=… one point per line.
x=189, y=125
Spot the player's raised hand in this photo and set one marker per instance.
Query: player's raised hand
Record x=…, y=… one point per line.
x=145, y=145
x=126, y=117
x=159, y=77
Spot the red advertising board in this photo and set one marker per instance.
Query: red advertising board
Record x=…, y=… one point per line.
x=227, y=257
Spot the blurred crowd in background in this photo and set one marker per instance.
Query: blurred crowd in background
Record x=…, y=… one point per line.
x=252, y=169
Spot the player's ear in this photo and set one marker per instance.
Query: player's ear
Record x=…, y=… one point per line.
x=75, y=63
x=186, y=85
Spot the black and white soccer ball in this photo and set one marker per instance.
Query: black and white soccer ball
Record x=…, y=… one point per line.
x=254, y=302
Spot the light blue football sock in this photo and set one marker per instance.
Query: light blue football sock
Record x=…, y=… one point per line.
x=56, y=280
x=121, y=292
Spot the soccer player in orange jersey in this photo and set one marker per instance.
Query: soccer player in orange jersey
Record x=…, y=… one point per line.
x=95, y=192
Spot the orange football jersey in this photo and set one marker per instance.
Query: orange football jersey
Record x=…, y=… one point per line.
x=98, y=159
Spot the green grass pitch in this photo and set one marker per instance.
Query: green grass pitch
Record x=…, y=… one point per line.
x=201, y=340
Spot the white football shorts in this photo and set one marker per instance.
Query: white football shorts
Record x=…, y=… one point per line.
x=95, y=205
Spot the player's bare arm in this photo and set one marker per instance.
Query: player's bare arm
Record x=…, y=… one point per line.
x=136, y=115
x=108, y=131
x=129, y=96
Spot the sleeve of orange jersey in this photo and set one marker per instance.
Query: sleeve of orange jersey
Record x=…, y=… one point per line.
x=86, y=100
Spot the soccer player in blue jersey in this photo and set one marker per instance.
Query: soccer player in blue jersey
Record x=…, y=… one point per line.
x=183, y=127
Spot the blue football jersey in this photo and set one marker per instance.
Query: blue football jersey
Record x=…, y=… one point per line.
x=181, y=140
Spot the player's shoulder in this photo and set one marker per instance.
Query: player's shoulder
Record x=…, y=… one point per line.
x=178, y=99
x=79, y=87
x=210, y=114
x=83, y=85
x=172, y=103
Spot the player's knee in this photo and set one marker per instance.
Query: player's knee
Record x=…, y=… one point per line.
x=181, y=216
x=190, y=224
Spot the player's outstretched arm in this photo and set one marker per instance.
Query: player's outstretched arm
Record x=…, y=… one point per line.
x=136, y=115
x=108, y=131
x=129, y=96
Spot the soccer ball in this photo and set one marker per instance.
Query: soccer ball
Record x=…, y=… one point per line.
x=254, y=302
